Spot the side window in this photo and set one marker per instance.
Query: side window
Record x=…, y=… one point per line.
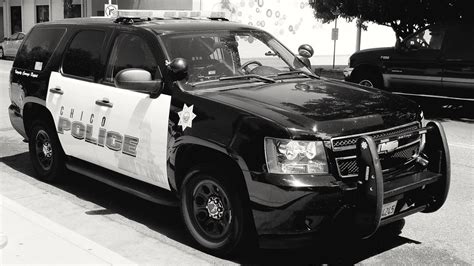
x=459, y=43
x=82, y=57
x=430, y=38
x=38, y=47
x=131, y=51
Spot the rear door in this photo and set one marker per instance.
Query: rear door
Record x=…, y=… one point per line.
x=458, y=61
x=135, y=126
x=73, y=90
x=416, y=68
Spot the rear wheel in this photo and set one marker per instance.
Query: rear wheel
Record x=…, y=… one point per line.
x=371, y=79
x=45, y=151
x=213, y=212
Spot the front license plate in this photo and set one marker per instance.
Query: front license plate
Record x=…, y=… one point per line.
x=388, y=209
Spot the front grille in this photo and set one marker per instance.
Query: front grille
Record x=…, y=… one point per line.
x=349, y=142
x=346, y=161
x=348, y=166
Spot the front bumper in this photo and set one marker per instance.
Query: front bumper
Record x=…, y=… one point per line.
x=288, y=215
x=16, y=119
x=347, y=73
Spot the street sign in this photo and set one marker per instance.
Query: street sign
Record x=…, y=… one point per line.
x=110, y=10
x=335, y=34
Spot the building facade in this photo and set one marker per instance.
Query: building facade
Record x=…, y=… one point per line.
x=22, y=15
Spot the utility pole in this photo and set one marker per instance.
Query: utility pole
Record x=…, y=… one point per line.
x=359, y=34
x=335, y=36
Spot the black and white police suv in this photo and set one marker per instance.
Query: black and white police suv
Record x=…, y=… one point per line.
x=224, y=121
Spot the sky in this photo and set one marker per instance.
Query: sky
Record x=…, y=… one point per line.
x=293, y=23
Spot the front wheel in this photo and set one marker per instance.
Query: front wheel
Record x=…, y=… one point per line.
x=46, y=153
x=212, y=211
x=369, y=79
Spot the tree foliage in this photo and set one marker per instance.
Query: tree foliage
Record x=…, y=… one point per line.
x=404, y=16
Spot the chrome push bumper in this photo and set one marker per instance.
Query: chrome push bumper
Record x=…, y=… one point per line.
x=431, y=185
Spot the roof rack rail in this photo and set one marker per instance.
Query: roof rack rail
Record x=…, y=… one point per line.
x=138, y=15
x=130, y=20
x=218, y=18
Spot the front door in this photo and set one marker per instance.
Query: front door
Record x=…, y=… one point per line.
x=416, y=68
x=72, y=93
x=16, y=44
x=135, y=126
x=458, y=61
x=9, y=44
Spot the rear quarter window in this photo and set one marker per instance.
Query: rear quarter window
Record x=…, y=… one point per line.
x=38, y=47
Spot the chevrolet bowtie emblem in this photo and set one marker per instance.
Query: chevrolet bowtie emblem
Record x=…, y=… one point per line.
x=387, y=147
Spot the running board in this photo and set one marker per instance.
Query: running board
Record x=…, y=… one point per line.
x=133, y=186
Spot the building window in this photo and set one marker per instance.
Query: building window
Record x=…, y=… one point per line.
x=15, y=19
x=42, y=13
x=72, y=9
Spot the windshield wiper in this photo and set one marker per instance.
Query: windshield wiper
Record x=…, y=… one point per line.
x=288, y=73
x=249, y=76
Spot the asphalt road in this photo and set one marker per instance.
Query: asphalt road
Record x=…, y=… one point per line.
x=143, y=232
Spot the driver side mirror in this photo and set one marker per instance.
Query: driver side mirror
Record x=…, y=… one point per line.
x=138, y=79
x=178, y=68
x=305, y=51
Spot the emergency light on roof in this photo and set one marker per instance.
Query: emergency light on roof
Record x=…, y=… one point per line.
x=171, y=14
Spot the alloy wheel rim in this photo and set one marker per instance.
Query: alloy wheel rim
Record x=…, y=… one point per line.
x=211, y=209
x=366, y=83
x=44, y=150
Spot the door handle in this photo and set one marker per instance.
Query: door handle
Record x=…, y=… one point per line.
x=104, y=102
x=56, y=90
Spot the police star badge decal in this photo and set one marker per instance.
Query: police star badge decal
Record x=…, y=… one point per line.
x=186, y=117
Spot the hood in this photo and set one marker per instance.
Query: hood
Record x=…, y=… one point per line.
x=375, y=50
x=370, y=55
x=325, y=108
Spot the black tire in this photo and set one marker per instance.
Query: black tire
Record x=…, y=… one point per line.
x=371, y=79
x=2, y=55
x=46, y=153
x=213, y=212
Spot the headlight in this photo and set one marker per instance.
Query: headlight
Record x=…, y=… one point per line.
x=295, y=157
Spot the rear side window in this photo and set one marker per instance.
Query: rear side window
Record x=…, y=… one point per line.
x=82, y=57
x=38, y=48
x=460, y=43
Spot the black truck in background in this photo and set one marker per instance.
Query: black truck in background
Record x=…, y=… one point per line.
x=435, y=62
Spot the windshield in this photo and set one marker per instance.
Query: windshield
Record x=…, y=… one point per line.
x=214, y=56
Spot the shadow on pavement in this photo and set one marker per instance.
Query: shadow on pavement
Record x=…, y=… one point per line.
x=442, y=110
x=167, y=221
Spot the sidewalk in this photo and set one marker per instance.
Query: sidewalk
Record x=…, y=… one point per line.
x=29, y=238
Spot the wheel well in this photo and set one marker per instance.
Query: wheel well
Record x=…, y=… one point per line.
x=192, y=155
x=34, y=111
x=365, y=68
